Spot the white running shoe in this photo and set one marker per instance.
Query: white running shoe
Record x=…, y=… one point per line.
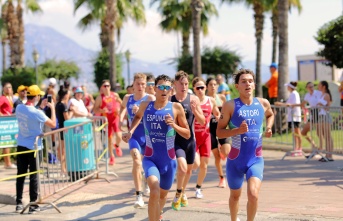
x=198, y=194
x=139, y=202
x=146, y=190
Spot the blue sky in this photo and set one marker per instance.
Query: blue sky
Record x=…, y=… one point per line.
x=233, y=28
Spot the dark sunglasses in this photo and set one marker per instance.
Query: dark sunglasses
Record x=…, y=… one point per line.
x=164, y=87
x=106, y=85
x=150, y=84
x=200, y=88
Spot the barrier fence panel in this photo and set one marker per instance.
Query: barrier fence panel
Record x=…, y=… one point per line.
x=75, y=153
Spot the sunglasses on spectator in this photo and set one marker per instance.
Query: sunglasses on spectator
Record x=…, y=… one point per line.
x=150, y=84
x=164, y=87
x=200, y=88
x=106, y=85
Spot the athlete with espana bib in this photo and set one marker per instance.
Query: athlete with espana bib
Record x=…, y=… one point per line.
x=162, y=120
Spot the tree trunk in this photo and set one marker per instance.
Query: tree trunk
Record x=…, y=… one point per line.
x=13, y=35
x=283, y=6
x=21, y=35
x=185, y=44
x=4, y=55
x=196, y=12
x=275, y=26
x=110, y=24
x=259, y=20
x=4, y=37
x=104, y=35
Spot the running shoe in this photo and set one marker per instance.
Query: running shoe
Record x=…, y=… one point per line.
x=119, y=152
x=176, y=204
x=139, y=201
x=147, y=189
x=111, y=161
x=184, y=200
x=198, y=194
x=19, y=208
x=222, y=183
x=34, y=209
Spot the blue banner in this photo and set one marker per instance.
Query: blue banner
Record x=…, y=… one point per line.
x=8, y=131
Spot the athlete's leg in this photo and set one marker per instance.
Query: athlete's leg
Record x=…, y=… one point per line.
x=181, y=168
x=254, y=185
x=234, y=203
x=136, y=168
x=154, y=199
x=217, y=161
x=196, y=163
x=205, y=153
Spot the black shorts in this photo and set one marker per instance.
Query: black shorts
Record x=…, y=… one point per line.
x=341, y=102
x=295, y=124
x=215, y=141
x=186, y=152
x=272, y=100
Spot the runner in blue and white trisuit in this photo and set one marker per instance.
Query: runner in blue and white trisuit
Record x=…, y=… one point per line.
x=130, y=104
x=244, y=116
x=162, y=120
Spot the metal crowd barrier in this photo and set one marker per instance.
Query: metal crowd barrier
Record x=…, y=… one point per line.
x=81, y=156
x=330, y=127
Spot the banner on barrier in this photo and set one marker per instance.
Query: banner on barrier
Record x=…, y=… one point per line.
x=8, y=132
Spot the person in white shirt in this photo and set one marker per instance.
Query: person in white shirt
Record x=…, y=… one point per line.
x=77, y=106
x=293, y=114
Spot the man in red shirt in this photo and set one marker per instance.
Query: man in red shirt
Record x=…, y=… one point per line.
x=6, y=108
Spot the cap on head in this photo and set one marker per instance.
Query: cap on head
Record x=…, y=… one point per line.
x=34, y=90
x=21, y=88
x=52, y=81
x=78, y=90
x=273, y=65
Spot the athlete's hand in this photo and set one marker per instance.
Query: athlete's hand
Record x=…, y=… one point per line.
x=169, y=120
x=126, y=137
x=268, y=132
x=243, y=127
x=135, y=109
x=193, y=105
x=105, y=110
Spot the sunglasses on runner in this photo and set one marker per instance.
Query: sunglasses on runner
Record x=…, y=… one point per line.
x=150, y=84
x=164, y=87
x=106, y=85
x=200, y=88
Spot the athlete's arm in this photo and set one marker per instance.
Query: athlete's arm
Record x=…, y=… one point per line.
x=136, y=120
x=151, y=97
x=222, y=98
x=197, y=111
x=97, y=104
x=222, y=130
x=123, y=108
x=215, y=110
x=268, y=112
x=179, y=124
x=118, y=98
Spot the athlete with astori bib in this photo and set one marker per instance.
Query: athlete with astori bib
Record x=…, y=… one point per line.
x=244, y=116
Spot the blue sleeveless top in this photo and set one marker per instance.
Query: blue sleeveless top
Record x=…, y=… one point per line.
x=139, y=132
x=248, y=145
x=159, y=136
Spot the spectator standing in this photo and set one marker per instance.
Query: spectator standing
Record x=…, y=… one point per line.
x=325, y=119
x=293, y=114
x=88, y=99
x=6, y=108
x=21, y=96
x=31, y=122
x=272, y=83
x=223, y=88
x=77, y=106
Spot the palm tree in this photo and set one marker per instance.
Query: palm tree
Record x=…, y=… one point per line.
x=259, y=7
x=177, y=17
x=111, y=14
x=3, y=34
x=126, y=9
x=274, y=20
x=283, y=6
x=197, y=7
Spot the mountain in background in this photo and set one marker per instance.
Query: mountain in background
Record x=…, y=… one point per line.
x=52, y=44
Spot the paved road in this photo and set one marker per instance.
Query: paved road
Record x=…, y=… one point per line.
x=291, y=190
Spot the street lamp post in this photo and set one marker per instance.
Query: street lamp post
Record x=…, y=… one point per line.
x=128, y=57
x=35, y=56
